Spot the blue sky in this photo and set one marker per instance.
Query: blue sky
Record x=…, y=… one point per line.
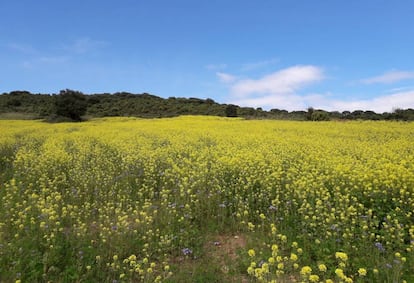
x=336, y=55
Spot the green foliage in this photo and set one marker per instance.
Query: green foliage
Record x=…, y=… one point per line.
x=317, y=115
x=320, y=116
x=309, y=114
x=231, y=110
x=70, y=104
x=36, y=105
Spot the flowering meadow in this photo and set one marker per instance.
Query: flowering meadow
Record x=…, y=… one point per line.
x=135, y=200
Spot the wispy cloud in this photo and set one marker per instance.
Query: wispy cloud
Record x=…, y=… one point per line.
x=282, y=82
x=259, y=64
x=216, y=67
x=53, y=59
x=399, y=89
x=44, y=61
x=84, y=45
x=54, y=55
x=226, y=78
x=22, y=48
x=389, y=77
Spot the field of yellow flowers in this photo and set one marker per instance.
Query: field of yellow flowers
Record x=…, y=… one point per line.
x=134, y=200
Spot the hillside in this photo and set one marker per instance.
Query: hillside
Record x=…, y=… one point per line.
x=43, y=106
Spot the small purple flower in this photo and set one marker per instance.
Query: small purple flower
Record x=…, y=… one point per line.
x=379, y=246
x=272, y=207
x=186, y=251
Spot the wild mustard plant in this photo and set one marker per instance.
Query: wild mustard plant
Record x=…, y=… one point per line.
x=130, y=200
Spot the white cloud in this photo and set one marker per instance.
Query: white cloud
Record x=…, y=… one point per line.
x=384, y=103
x=276, y=90
x=281, y=90
x=282, y=82
x=291, y=102
x=226, y=78
x=389, y=77
x=286, y=102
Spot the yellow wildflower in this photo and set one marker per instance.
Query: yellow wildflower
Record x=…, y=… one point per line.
x=362, y=271
x=322, y=267
x=306, y=270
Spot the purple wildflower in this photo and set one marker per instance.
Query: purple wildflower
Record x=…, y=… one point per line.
x=379, y=246
x=186, y=251
x=272, y=207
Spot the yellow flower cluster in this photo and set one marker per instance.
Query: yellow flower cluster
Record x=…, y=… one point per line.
x=123, y=198
x=341, y=256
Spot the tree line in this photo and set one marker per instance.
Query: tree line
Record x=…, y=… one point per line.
x=71, y=105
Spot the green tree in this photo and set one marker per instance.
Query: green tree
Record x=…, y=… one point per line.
x=320, y=115
x=310, y=113
x=70, y=104
x=231, y=110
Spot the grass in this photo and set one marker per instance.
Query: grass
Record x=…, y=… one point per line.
x=18, y=116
